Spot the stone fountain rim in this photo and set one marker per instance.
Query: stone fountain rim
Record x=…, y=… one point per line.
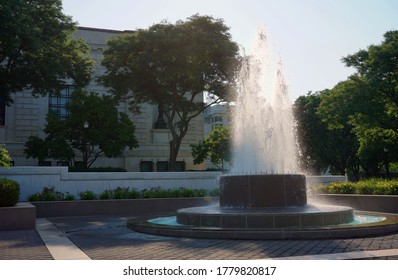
x=389, y=225
x=262, y=174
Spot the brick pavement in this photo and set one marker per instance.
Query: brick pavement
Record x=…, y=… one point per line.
x=108, y=238
x=22, y=245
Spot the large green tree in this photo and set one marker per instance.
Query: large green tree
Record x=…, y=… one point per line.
x=323, y=146
x=37, y=49
x=375, y=115
x=368, y=102
x=94, y=128
x=310, y=134
x=172, y=66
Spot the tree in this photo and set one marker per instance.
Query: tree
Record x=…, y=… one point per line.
x=310, y=134
x=322, y=145
x=378, y=67
x=5, y=159
x=172, y=65
x=335, y=111
x=374, y=106
x=94, y=128
x=37, y=50
x=216, y=147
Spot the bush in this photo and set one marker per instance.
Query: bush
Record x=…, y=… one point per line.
x=214, y=192
x=120, y=193
x=50, y=194
x=372, y=186
x=87, y=195
x=9, y=193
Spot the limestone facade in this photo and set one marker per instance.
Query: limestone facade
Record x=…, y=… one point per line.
x=26, y=117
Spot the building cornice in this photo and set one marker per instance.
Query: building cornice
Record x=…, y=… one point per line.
x=104, y=30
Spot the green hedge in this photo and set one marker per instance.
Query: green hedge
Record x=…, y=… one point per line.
x=9, y=193
x=372, y=186
x=49, y=194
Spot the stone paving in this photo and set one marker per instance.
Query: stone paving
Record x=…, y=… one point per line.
x=22, y=245
x=108, y=238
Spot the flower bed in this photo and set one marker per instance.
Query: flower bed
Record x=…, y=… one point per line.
x=127, y=207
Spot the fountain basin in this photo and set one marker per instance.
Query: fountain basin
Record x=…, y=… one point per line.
x=388, y=224
x=298, y=217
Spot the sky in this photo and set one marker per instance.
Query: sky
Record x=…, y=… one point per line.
x=309, y=36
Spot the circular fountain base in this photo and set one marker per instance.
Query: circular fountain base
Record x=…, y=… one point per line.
x=265, y=207
x=298, y=217
x=387, y=224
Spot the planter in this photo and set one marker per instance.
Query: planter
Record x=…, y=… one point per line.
x=128, y=207
x=20, y=216
x=374, y=203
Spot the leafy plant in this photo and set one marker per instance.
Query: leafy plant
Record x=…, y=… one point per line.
x=50, y=194
x=213, y=192
x=5, y=159
x=9, y=193
x=372, y=186
x=87, y=195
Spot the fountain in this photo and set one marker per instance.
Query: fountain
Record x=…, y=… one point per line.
x=264, y=196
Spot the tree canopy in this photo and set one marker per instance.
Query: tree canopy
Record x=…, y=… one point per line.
x=5, y=159
x=94, y=128
x=172, y=66
x=322, y=146
x=216, y=147
x=365, y=108
x=37, y=49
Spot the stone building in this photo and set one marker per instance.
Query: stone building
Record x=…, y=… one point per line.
x=218, y=114
x=27, y=116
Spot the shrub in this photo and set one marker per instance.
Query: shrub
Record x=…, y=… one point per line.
x=35, y=197
x=155, y=192
x=214, y=192
x=107, y=194
x=69, y=196
x=120, y=193
x=372, y=186
x=9, y=193
x=340, y=188
x=50, y=194
x=87, y=195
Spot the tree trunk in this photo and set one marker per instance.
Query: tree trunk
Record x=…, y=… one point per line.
x=174, y=148
x=387, y=167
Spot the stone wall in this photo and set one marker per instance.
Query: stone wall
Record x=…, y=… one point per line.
x=33, y=179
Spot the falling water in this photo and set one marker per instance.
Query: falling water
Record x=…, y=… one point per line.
x=264, y=140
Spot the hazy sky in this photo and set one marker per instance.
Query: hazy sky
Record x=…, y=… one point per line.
x=309, y=36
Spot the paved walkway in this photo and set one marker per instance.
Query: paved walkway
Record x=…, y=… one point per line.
x=99, y=237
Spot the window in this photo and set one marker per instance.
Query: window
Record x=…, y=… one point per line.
x=162, y=166
x=146, y=166
x=2, y=111
x=217, y=119
x=58, y=103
